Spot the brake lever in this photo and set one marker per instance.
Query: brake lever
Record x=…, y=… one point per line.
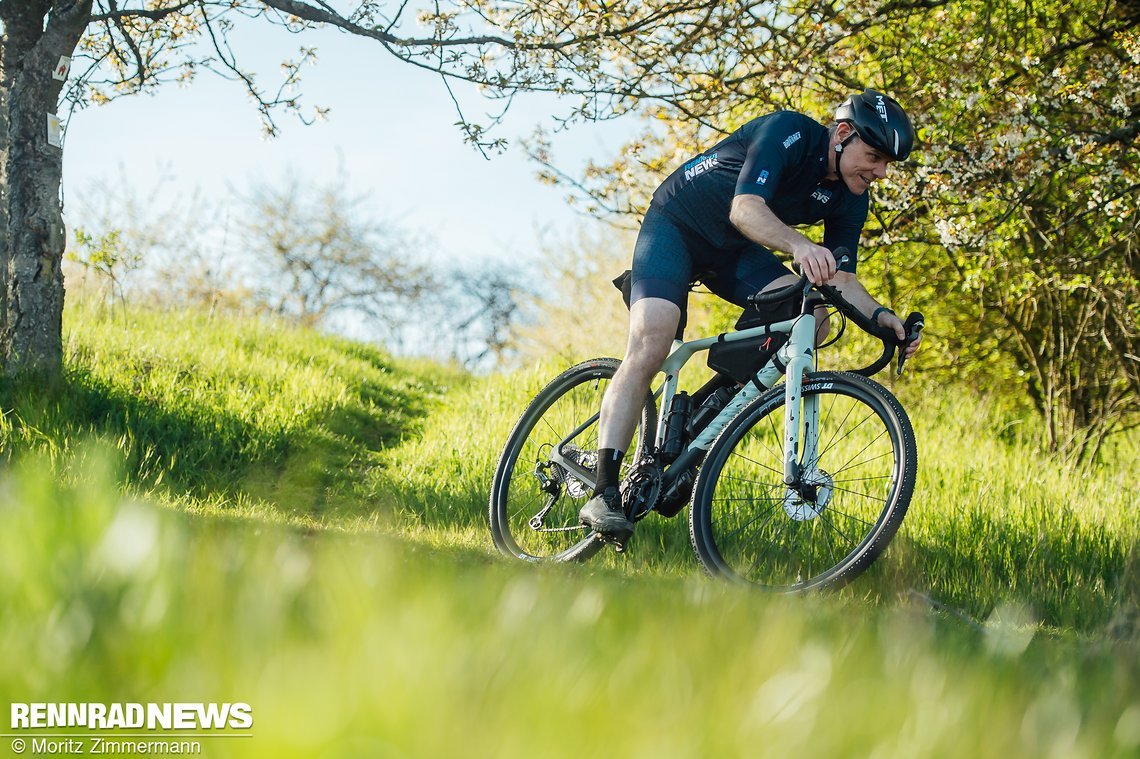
x=913, y=325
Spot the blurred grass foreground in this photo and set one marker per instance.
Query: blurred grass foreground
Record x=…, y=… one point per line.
x=240, y=512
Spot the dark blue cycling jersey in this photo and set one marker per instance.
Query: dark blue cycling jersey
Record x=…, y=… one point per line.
x=782, y=157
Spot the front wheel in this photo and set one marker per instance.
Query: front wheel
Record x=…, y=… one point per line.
x=547, y=469
x=856, y=478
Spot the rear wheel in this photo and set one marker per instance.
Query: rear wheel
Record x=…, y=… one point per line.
x=547, y=469
x=746, y=524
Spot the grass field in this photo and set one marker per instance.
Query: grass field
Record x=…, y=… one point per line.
x=233, y=510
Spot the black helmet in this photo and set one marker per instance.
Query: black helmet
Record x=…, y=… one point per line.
x=880, y=122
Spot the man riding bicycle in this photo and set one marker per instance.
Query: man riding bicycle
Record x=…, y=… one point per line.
x=722, y=214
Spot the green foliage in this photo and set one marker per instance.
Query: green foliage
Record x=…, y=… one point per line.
x=1029, y=178
x=105, y=255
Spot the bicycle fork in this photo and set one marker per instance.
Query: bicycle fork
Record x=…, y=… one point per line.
x=800, y=363
x=798, y=358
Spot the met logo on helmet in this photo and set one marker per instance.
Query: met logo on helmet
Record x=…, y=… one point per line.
x=881, y=107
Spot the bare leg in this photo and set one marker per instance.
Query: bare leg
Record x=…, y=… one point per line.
x=652, y=327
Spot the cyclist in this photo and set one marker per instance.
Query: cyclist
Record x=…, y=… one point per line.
x=723, y=213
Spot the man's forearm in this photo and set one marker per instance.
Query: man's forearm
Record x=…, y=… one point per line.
x=854, y=293
x=755, y=220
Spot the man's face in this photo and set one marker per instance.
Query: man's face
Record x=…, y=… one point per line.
x=861, y=165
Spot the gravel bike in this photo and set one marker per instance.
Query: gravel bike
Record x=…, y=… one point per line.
x=791, y=487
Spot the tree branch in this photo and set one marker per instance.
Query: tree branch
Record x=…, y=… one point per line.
x=154, y=14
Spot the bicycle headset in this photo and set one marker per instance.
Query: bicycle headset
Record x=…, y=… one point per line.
x=879, y=121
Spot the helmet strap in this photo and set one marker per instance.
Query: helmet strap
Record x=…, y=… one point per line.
x=839, y=150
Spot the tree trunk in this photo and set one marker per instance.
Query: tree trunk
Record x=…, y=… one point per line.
x=32, y=337
x=5, y=86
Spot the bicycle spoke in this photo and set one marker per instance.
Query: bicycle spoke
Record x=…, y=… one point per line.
x=736, y=509
x=846, y=434
x=525, y=507
x=760, y=483
x=811, y=542
x=748, y=498
x=736, y=532
x=866, y=479
x=830, y=545
x=757, y=463
x=775, y=436
x=862, y=495
x=837, y=531
x=827, y=413
x=790, y=550
x=860, y=453
x=850, y=517
x=885, y=454
x=838, y=427
x=760, y=554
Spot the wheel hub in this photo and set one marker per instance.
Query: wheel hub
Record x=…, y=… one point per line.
x=575, y=487
x=810, y=498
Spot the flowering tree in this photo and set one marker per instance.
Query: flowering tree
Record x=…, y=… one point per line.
x=611, y=55
x=1031, y=178
x=1015, y=223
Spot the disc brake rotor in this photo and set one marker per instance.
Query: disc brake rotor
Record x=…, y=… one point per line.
x=811, y=497
x=575, y=488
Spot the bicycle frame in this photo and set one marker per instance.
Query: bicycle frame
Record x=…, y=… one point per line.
x=797, y=355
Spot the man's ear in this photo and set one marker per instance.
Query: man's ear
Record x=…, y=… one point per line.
x=843, y=130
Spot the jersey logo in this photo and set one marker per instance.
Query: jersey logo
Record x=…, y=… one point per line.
x=763, y=178
x=821, y=195
x=791, y=140
x=700, y=165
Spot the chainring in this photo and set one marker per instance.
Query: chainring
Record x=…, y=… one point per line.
x=641, y=488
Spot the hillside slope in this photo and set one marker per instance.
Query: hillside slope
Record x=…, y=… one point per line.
x=227, y=413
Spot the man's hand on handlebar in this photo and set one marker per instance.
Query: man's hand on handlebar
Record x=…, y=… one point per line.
x=887, y=320
x=816, y=262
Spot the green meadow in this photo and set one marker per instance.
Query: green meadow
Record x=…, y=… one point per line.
x=235, y=510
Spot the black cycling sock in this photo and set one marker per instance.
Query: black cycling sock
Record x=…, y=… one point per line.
x=609, y=468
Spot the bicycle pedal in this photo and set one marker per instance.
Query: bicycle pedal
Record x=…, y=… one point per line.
x=619, y=544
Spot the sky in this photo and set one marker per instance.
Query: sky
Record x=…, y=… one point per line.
x=390, y=131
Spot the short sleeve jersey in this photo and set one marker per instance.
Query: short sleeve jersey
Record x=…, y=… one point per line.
x=782, y=157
